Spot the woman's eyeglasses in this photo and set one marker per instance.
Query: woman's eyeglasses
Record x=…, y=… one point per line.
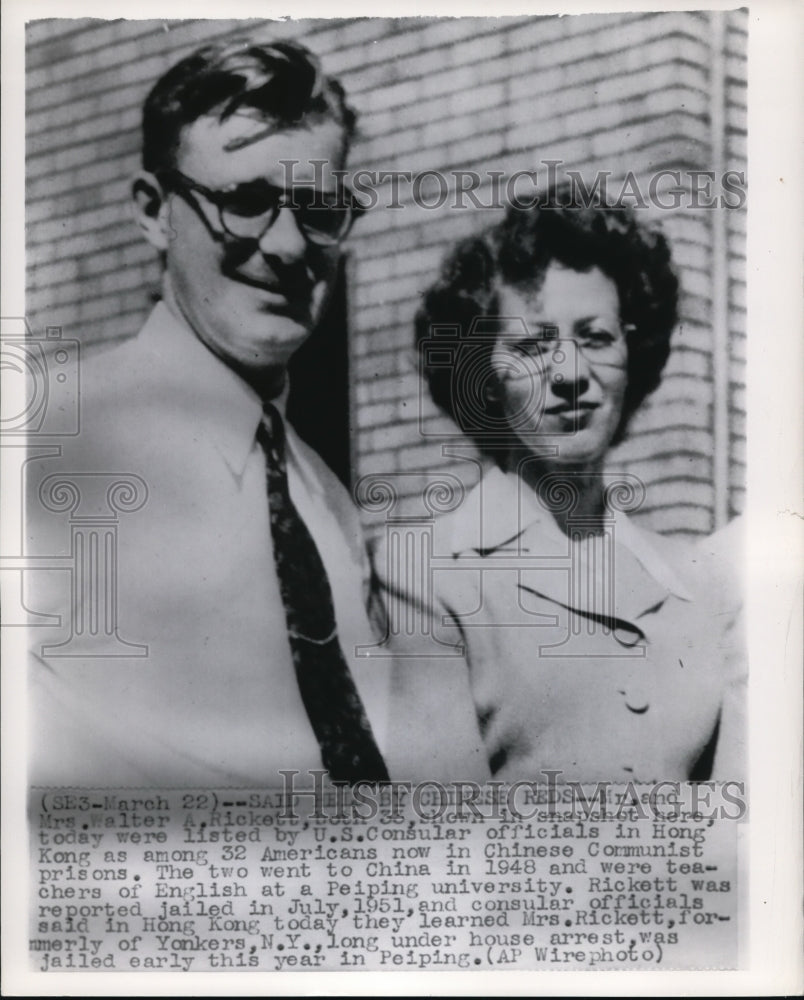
x=247, y=211
x=600, y=343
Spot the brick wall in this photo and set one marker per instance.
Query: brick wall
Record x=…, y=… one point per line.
x=619, y=92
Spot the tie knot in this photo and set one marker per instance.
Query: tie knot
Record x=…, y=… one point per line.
x=273, y=436
x=273, y=424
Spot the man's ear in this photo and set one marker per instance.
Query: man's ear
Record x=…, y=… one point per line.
x=151, y=210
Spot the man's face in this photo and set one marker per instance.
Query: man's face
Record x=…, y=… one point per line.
x=252, y=302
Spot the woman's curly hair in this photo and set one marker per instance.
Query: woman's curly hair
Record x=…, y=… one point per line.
x=517, y=252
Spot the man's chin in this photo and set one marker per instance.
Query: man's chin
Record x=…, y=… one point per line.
x=283, y=336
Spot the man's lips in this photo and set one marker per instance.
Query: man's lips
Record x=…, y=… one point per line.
x=290, y=293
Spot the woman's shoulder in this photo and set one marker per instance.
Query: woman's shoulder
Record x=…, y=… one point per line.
x=703, y=566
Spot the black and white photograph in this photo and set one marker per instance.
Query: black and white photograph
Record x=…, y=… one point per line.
x=401, y=565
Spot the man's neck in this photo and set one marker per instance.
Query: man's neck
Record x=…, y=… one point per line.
x=268, y=383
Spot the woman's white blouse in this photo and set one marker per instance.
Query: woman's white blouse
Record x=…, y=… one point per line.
x=610, y=657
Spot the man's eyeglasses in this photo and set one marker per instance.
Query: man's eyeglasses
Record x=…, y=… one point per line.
x=246, y=211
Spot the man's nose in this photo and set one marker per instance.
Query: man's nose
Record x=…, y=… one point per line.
x=569, y=369
x=284, y=239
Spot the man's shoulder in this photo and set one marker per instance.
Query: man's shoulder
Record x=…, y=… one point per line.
x=121, y=399
x=108, y=365
x=128, y=416
x=115, y=369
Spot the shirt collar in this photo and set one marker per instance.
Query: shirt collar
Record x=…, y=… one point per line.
x=502, y=512
x=227, y=408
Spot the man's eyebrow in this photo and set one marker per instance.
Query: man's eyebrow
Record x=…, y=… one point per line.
x=258, y=183
x=239, y=142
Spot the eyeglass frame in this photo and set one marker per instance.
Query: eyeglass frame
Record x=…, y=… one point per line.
x=187, y=185
x=554, y=343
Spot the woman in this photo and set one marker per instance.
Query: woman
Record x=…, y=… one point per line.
x=569, y=639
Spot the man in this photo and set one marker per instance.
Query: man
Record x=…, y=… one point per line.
x=210, y=621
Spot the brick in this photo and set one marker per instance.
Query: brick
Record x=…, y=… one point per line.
x=60, y=161
x=90, y=61
x=377, y=414
x=688, y=134
x=103, y=129
x=682, y=492
x=737, y=275
x=64, y=271
x=677, y=471
x=539, y=33
x=117, y=325
x=737, y=347
x=648, y=436
x=691, y=350
x=691, y=254
x=491, y=43
x=88, y=182
x=406, y=92
x=395, y=434
x=393, y=339
x=404, y=386
x=54, y=41
x=377, y=462
x=636, y=44
x=118, y=43
x=377, y=366
x=78, y=228
x=736, y=98
x=393, y=266
x=374, y=318
x=668, y=99
x=390, y=230
x=681, y=519
x=103, y=87
x=84, y=107
x=737, y=228
x=404, y=288
x=390, y=338
x=401, y=39
x=381, y=122
x=736, y=145
x=419, y=457
x=388, y=149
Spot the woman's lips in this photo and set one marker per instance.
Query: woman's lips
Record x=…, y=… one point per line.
x=573, y=418
x=566, y=409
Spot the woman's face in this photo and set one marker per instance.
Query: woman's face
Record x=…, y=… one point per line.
x=563, y=375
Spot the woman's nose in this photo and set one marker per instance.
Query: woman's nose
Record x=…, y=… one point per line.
x=569, y=369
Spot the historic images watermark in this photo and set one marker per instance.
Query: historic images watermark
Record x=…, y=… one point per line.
x=41, y=415
x=546, y=798
x=550, y=184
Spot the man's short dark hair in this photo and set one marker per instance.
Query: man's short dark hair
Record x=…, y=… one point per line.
x=283, y=81
x=517, y=252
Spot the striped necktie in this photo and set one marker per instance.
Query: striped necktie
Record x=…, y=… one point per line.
x=336, y=712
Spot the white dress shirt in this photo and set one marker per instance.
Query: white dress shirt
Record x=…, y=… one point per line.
x=215, y=700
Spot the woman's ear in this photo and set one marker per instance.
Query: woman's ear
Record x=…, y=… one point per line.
x=492, y=391
x=151, y=210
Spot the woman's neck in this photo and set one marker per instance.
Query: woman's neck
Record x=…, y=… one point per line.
x=568, y=492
